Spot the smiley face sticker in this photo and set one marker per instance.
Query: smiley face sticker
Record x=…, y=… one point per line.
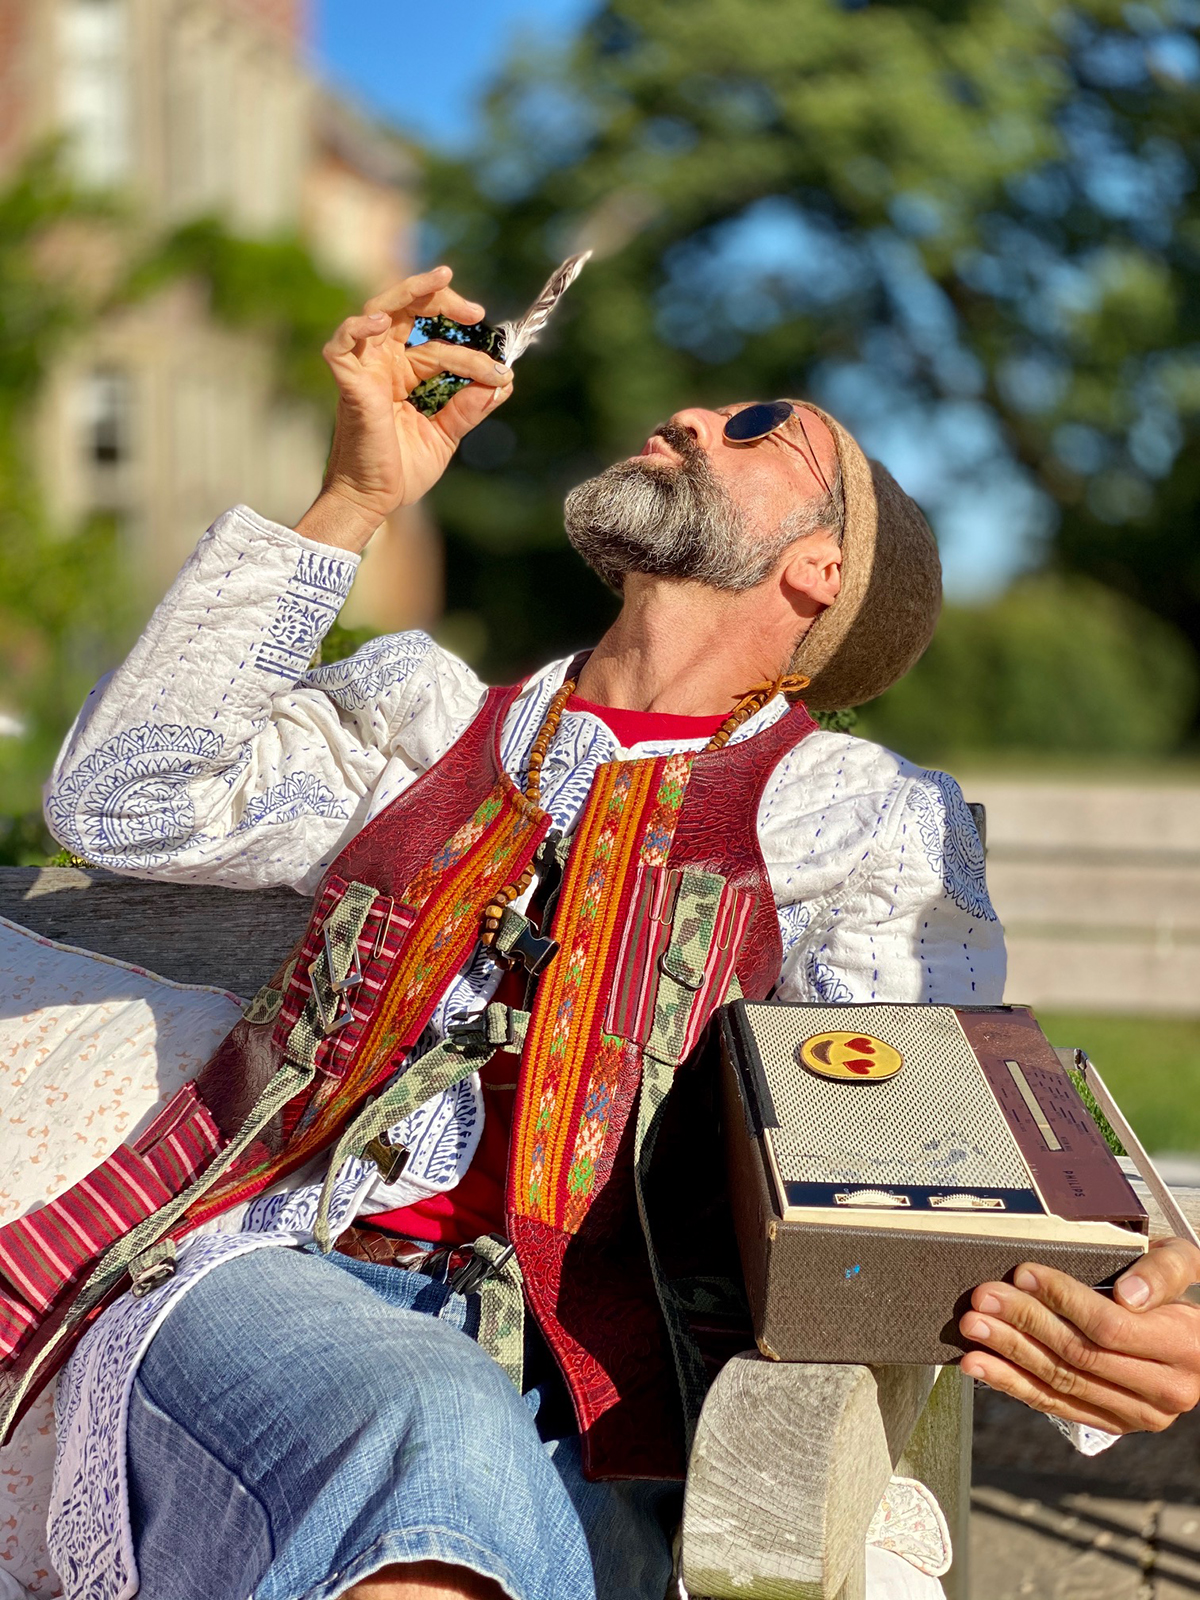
x=850, y=1057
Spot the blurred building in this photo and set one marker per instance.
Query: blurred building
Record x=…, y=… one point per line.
x=162, y=414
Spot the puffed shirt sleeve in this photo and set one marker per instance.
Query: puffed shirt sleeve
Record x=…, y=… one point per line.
x=215, y=754
x=895, y=906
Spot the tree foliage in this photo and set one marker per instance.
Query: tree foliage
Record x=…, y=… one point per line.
x=1057, y=666
x=62, y=610
x=65, y=614
x=979, y=216
x=269, y=286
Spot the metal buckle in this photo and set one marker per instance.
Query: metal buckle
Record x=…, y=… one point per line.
x=343, y=1012
x=389, y=1158
x=467, y=1278
x=154, y=1267
x=354, y=975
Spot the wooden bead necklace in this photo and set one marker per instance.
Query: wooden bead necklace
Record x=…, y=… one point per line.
x=750, y=703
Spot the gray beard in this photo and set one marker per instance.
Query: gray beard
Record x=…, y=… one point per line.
x=650, y=516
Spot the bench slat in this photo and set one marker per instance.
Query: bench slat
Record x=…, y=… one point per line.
x=189, y=932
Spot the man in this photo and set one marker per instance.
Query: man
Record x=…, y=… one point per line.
x=311, y=1424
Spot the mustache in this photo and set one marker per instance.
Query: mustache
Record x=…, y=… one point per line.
x=683, y=442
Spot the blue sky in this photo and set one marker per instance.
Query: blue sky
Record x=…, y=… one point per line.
x=424, y=66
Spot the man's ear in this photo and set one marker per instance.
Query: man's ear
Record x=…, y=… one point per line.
x=812, y=574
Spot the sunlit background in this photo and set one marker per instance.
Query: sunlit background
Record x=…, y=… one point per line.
x=971, y=229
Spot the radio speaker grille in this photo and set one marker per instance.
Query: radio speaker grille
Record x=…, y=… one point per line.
x=935, y=1123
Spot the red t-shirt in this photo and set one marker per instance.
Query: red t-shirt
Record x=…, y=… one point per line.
x=476, y=1204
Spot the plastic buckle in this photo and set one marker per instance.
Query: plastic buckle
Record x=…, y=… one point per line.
x=467, y=1278
x=534, y=951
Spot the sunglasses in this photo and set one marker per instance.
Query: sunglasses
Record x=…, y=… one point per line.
x=759, y=421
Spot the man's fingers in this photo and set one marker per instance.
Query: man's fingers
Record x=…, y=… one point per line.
x=1038, y=1294
x=435, y=356
x=397, y=295
x=1013, y=1380
x=468, y=408
x=1169, y=1268
x=354, y=331
x=426, y=295
x=1064, y=1361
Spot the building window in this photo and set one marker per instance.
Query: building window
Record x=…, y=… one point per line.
x=107, y=418
x=94, y=89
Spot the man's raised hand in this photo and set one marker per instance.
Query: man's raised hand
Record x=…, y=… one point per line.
x=385, y=453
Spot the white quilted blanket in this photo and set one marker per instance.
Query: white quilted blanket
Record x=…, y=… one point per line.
x=112, y=1042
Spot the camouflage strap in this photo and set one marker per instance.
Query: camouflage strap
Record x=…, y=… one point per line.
x=268, y=1002
x=332, y=974
x=657, y=1079
x=502, y=1308
x=684, y=962
x=448, y=1063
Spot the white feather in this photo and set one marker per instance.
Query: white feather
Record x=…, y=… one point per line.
x=516, y=337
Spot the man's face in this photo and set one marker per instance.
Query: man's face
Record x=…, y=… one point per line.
x=695, y=505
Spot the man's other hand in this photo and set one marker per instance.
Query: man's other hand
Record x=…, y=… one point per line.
x=385, y=454
x=1128, y=1363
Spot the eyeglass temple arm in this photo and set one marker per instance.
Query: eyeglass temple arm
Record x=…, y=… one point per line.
x=814, y=463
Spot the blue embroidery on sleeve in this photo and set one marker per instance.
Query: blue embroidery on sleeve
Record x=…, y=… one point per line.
x=315, y=594
x=951, y=842
x=299, y=794
x=127, y=803
x=793, y=924
x=381, y=664
x=824, y=983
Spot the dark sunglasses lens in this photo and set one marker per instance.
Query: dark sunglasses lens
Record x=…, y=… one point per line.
x=755, y=422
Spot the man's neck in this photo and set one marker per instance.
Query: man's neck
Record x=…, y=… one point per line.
x=686, y=649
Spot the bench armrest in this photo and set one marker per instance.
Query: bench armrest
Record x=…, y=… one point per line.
x=789, y=1464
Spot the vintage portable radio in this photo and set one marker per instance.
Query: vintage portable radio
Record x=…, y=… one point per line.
x=886, y=1159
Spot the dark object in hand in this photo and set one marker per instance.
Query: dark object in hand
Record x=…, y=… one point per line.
x=432, y=394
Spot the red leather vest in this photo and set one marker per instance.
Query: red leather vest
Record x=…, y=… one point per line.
x=433, y=858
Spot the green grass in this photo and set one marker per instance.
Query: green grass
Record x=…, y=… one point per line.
x=1151, y=1064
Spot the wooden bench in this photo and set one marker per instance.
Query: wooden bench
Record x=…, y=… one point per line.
x=790, y=1459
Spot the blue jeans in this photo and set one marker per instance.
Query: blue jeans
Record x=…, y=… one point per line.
x=301, y=1421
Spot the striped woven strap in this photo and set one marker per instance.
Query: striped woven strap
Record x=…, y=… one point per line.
x=291, y=1079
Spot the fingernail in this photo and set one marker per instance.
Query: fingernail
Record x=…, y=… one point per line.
x=989, y=1303
x=1134, y=1291
x=1024, y=1279
x=502, y=370
x=379, y=316
x=977, y=1328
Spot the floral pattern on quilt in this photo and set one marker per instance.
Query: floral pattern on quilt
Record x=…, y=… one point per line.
x=299, y=794
x=304, y=612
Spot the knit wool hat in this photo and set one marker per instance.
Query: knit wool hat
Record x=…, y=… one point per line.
x=891, y=594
